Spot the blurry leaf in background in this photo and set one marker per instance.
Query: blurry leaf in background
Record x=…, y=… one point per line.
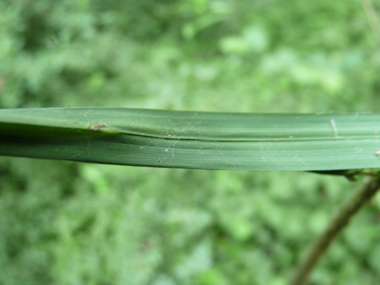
x=252, y=39
x=202, y=15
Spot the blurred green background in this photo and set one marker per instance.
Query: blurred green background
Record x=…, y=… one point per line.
x=77, y=223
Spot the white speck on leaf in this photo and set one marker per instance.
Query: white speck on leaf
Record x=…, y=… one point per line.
x=334, y=127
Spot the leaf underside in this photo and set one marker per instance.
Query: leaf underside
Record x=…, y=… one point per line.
x=178, y=139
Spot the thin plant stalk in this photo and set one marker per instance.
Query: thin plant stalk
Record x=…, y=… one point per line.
x=341, y=219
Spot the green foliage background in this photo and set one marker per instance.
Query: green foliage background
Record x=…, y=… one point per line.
x=73, y=223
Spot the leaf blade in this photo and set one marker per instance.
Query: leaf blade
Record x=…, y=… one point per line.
x=180, y=139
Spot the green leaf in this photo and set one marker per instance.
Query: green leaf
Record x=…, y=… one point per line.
x=193, y=139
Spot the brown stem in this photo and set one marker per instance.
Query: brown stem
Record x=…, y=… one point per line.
x=339, y=221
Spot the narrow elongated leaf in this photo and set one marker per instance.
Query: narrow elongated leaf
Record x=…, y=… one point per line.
x=193, y=139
